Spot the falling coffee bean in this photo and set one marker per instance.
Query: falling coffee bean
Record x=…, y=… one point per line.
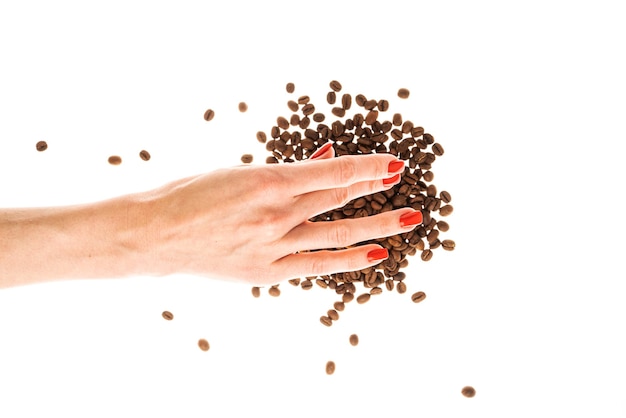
x=332, y=314
x=448, y=244
x=326, y=321
x=401, y=287
x=446, y=210
x=42, y=146
x=256, y=291
x=290, y=87
x=243, y=107
x=261, y=137
x=468, y=392
x=403, y=93
x=203, y=344
x=274, y=291
x=209, y=114
x=363, y=298
x=418, y=297
x=330, y=367
x=247, y=158
x=335, y=85
x=354, y=340
x=115, y=160
x=144, y=155
x=167, y=315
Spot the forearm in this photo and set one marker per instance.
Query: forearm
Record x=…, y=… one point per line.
x=99, y=240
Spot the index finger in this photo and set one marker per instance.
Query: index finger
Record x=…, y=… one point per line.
x=308, y=176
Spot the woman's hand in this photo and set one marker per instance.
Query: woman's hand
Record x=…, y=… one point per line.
x=250, y=223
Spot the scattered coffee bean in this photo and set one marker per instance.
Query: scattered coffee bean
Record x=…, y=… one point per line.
x=243, y=107
x=326, y=321
x=427, y=255
x=331, y=97
x=290, y=87
x=403, y=93
x=115, y=160
x=41, y=146
x=446, y=210
x=418, y=297
x=401, y=287
x=282, y=123
x=339, y=306
x=448, y=244
x=256, y=291
x=437, y=149
x=203, y=344
x=468, y=392
x=167, y=315
x=293, y=106
x=319, y=117
x=209, y=114
x=445, y=197
x=335, y=85
x=363, y=298
x=306, y=284
x=261, y=137
x=339, y=111
x=330, y=367
x=303, y=100
x=383, y=105
x=346, y=101
x=144, y=155
x=347, y=297
x=354, y=340
x=294, y=282
x=274, y=291
x=332, y=314
x=247, y=158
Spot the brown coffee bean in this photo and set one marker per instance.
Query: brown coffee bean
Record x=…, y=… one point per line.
x=446, y=210
x=347, y=297
x=274, y=291
x=397, y=119
x=332, y=314
x=203, y=344
x=335, y=85
x=346, y=101
x=468, y=392
x=330, y=367
x=115, y=160
x=445, y=196
x=437, y=149
x=294, y=120
x=321, y=283
x=371, y=117
x=293, y=106
x=308, y=109
x=362, y=298
x=209, y=115
x=403, y=93
x=448, y=244
x=370, y=104
x=271, y=160
x=428, y=176
x=339, y=306
x=339, y=111
x=331, y=97
x=282, y=123
x=319, y=117
x=360, y=100
x=304, y=122
x=401, y=287
x=243, y=106
x=247, y=158
x=443, y=226
x=417, y=297
x=432, y=236
x=383, y=105
x=167, y=315
x=303, y=100
x=376, y=291
x=326, y=321
x=354, y=340
x=294, y=282
x=144, y=155
x=256, y=291
x=389, y=284
x=427, y=255
x=306, y=284
x=41, y=146
x=290, y=87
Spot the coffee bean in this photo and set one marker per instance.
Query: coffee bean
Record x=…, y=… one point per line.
x=347, y=297
x=293, y=106
x=338, y=111
x=401, y=287
x=437, y=149
x=274, y=291
x=303, y=100
x=417, y=297
x=243, y=107
x=319, y=117
x=203, y=344
x=282, y=123
x=445, y=196
x=246, y=158
x=256, y=291
x=362, y=298
x=335, y=85
x=308, y=109
x=397, y=119
x=354, y=340
x=403, y=93
x=360, y=100
x=370, y=104
x=331, y=97
x=428, y=176
x=115, y=160
x=306, y=284
x=209, y=114
x=271, y=160
x=371, y=117
x=294, y=282
x=448, y=244
x=321, y=283
x=339, y=306
x=304, y=122
x=294, y=120
x=144, y=155
x=383, y=105
x=290, y=87
x=468, y=392
x=330, y=367
x=326, y=321
x=376, y=291
x=332, y=314
x=41, y=146
x=167, y=315
x=427, y=255
x=446, y=210
x=346, y=101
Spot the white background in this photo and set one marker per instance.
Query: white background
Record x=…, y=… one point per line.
x=527, y=99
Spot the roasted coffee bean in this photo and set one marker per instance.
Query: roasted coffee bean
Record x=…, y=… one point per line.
x=41, y=146
x=431, y=190
x=331, y=97
x=428, y=176
x=401, y=287
x=370, y=105
x=243, y=106
x=326, y=321
x=144, y=155
x=468, y=392
x=290, y=87
x=427, y=255
x=347, y=297
x=203, y=344
x=256, y=291
x=403, y=93
x=346, y=101
x=319, y=117
x=446, y=210
x=407, y=127
x=445, y=196
x=397, y=119
x=383, y=105
x=293, y=106
x=306, y=284
x=303, y=100
x=437, y=149
x=330, y=367
x=246, y=158
x=360, y=100
x=294, y=282
x=443, y=226
x=339, y=306
x=376, y=291
x=282, y=123
x=274, y=291
x=417, y=297
x=271, y=160
x=429, y=139
x=417, y=132
x=293, y=121
x=448, y=244
x=371, y=117
x=362, y=298
x=308, y=109
x=321, y=283
x=332, y=314
x=338, y=111
x=209, y=114
x=167, y=315
x=304, y=122
x=115, y=160
x=389, y=284
x=335, y=85
x=354, y=340
x=432, y=236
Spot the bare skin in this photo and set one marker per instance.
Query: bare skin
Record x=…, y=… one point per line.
x=247, y=223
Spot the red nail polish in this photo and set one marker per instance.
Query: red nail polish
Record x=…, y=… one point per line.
x=395, y=166
x=377, y=254
x=411, y=219
x=391, y=180
x=321, y=151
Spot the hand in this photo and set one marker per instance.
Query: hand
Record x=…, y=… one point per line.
x=250, y=223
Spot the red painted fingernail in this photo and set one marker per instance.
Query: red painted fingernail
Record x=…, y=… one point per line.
x=391, y=180
x=377, y=254
x=321, y=151
x=411, y=219
x=395, y=166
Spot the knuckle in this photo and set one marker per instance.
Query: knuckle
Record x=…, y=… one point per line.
x=346, y=171
x=318, y=265
x=341, y=235
x=342, y=196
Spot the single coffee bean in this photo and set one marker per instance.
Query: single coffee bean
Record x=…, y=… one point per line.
x=383, y=105
x=468, y=392
x=428, y=176
x=321, y=283
x=437, y=149
x=335, y=85
x=294, y=282
x=376, y=291
x=303, y=100
x=417, y=297
x=282, y=123
x=397, y=119
x=144, y=155
x=246, y=158
x=243, y=106
x=41, y=146
x=274, y=291
x=446, y=210
x=326, y=321
x=448, y=244
x=332, y=314
x=403, y=93
x=339, y=306
x=308, y=109
x=293, y=121
x=203, y=344
x=363, y=298
x=354, y=340
x=370, y=104
x=293, y=106
x=304, y=122
x=443, y=226
x=330, y=367
x=331, y=97
x=347, y=297
x=115, y=160
x=346, y=101
x=371, y=117
x=338, y=111
x=401, y=287
x=167, y=315
x=445, y=196
x=319, y=117
x=306, y=284
x=290, y=87
x=209, y=114
x=271, y=160
x=256, y=291
x=427, y=255
x=389, y=284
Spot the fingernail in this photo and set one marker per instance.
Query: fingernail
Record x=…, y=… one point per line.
x=391, y=180
x=321, y=151
x=377, y=254
x=411, y=219
x=395, y=166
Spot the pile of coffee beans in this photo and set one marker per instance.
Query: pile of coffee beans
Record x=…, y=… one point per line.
x=359, y=126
